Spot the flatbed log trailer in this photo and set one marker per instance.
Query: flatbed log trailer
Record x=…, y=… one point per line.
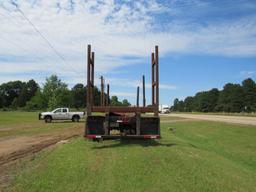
x=119, y=121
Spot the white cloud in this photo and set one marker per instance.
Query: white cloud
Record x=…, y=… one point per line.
x=247, y=74
x=116, y=32
x=123, y=94
x=119, y=82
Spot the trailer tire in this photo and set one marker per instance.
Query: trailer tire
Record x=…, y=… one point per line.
x=75, y=118
x=48, y=119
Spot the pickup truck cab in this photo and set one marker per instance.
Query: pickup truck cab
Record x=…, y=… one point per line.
x=61, y=114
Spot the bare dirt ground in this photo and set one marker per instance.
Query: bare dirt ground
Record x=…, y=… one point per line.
x=14, y=148
x=17, y=147
x=219, y=118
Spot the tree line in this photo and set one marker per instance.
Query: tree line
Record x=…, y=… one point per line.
x=232, y=98
x=54, y=93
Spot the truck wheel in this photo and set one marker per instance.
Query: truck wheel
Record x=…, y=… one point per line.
x=48, y=119
x=75, y=118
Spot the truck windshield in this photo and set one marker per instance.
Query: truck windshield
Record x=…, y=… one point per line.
x=57, y=111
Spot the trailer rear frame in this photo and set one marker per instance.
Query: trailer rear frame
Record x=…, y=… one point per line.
x=137, y=125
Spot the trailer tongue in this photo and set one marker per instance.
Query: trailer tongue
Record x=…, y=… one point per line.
x=119, y=121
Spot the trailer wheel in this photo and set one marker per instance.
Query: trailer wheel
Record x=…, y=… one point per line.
x=75, y=118
x=48, y=119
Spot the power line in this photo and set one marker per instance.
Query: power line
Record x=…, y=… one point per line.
x=21, y=46
x=46, y=40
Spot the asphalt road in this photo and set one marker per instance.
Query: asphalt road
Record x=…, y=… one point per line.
x=219, y=118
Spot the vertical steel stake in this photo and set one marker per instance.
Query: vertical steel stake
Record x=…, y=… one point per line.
x=88, y=98
x=138, y=96
x=143, y=89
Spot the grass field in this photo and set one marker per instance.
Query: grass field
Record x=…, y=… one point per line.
x=15, y=123
x=191, y=156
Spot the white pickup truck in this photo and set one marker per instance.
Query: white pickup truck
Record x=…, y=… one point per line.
x=61, y=114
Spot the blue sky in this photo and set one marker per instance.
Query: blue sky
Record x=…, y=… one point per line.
x=203, y=44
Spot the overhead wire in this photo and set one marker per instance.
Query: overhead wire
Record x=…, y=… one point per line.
x=47, y=41
x=21, y=46
x=55, y=51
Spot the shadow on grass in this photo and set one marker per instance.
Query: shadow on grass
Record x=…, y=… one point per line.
x=143, y=143
x=63, y=121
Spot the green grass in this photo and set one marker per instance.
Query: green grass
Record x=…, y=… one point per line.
x=16, y=123
x=191, y=156
x=17, y=117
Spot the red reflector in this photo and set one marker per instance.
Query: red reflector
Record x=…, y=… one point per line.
x=90, y=136
x=151, y=136
x=93, y=136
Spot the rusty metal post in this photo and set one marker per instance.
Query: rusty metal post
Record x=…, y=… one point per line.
x=156, y=82
x=92, y=80
x=153, y=78
x=102, y=99
x=108, y=102
x=88, y=99
x=138, y=96
x=143, y=90
x=138, y=121
x=104, y=95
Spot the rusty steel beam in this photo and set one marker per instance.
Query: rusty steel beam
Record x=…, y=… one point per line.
x=120, y=109
x=92, y=79
x=153, y=78
x=138, y=96
x=143, y=91
x=108, y=102
x=88, y=95
x=102, y=99
x=157, y=82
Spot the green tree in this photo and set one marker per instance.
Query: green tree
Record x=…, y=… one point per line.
x=53, y=90
x=10, y=91
x=231, y=98
x=206, y=101
x=115, y=102
x=1, y=101
x=14, y=104
x=175, y=105
x=79, y=96
x=181, y=106
x=188, y=104
x=213, y=96
x=125, y=102
x=36, y=102
x=27, y=92
x=64, y=98
x=178, y=105
x=97, y=96
x=249, y=91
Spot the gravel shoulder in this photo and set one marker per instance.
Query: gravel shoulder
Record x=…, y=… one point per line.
x=218, y=118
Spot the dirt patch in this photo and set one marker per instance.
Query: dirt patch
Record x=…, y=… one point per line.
x=18, y=147
x=15, y=148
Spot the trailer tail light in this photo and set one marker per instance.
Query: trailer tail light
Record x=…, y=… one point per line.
x=151, y=136
x=93, y=136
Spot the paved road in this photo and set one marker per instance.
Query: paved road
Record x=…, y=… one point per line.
x=219, y=118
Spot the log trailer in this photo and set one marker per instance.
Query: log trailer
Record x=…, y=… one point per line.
x=122, y=122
